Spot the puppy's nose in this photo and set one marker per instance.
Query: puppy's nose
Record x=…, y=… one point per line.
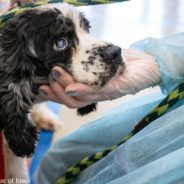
x=112, y=52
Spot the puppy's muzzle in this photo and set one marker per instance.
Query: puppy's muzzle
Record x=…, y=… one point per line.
x=112, y=56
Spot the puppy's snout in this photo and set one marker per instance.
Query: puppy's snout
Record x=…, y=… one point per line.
x=112, y=53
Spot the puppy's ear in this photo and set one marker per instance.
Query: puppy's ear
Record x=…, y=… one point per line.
x=16, y=90
x=86, y=110
x=15, y=47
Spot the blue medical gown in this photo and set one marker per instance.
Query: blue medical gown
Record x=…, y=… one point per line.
x=152, y=156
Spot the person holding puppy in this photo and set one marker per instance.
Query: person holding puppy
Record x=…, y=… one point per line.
x=153, y=155
x=150, y=155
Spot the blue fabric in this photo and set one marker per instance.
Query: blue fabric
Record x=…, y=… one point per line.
x=154, y=155
x=42, y=147
x=55, y=107
x=43, y=144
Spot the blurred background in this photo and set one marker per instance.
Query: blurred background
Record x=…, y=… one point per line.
x=3, y=5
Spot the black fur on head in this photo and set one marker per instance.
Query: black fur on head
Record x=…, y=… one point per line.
x=27, y=56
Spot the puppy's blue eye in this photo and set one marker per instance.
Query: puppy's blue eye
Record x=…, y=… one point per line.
x=61, y=44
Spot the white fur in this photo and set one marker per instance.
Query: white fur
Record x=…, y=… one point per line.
x=44, y=117
x=86, y=42
x=15, y=167
x=21, y=88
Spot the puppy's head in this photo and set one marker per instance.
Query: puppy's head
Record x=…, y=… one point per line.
x=59, y=35
x=31, y=44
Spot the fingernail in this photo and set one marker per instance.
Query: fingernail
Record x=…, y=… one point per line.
x=72, y=93
x=42, y=92
x=51, y=79
x=55, y=74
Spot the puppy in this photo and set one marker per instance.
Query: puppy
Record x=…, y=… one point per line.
x=31, y=44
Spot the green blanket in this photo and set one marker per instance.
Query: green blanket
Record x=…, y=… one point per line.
x=10, y=14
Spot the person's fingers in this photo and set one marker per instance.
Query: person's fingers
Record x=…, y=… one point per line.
x=47, y=92
x=69, y=101
x=78, y=89
x=61, y=76
x=84, y=93
x=56, y=91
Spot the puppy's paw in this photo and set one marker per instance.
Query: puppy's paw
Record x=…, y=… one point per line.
x=44, y=118
x=22, y=139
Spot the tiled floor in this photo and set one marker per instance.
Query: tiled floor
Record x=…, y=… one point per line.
x=124, y=23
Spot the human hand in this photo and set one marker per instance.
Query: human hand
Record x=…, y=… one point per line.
x=141, y=72
x=59, y=79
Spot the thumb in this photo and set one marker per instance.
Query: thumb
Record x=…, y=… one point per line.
x=77, y=89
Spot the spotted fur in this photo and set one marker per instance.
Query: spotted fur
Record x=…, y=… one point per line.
x=27, y=56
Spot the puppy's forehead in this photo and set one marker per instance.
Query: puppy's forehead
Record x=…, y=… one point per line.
x=67, y=10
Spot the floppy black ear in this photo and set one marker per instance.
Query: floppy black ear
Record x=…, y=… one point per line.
x=16, y=89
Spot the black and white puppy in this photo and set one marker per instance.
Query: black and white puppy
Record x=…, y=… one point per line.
x=31, y=44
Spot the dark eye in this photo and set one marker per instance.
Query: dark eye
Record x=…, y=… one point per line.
x=61, y=44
